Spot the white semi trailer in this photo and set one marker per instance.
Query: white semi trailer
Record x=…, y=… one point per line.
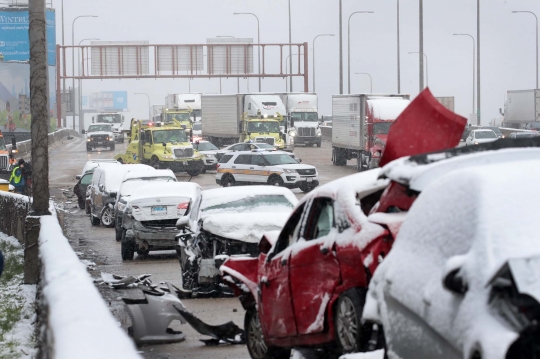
x=302, y=119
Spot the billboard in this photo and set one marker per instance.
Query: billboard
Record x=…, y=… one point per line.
x=120, y=60
x=106, y=101
x=15, y=96
x=14, y=42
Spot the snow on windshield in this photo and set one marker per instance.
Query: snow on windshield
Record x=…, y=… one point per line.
x=168, y=136
x=258, y=203
x=279, y=159
x=220, y=196
x=263, y=127
x=97, y=128
x=109, y=118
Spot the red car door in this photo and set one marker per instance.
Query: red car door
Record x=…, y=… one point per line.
x=275, y=304
x=314, y=269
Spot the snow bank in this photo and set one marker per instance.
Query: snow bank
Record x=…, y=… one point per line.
x=377, y=354
x=79, y=323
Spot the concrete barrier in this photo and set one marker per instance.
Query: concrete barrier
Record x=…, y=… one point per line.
x=24, y=148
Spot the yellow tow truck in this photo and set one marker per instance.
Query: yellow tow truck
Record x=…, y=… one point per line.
x=182, y=117
x=162, y=145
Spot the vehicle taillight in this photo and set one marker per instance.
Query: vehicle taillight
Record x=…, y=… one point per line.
x=182, y=208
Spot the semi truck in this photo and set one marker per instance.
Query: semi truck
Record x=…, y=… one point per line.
x=360, y=125
x=522, y=110
x=240, y=118
x=116, y=120
x=302, y=119
x=162, y=145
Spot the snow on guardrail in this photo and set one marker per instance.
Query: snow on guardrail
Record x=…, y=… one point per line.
x=78, y=322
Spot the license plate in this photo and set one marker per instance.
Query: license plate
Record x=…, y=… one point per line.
x=100, y=143
x=157, y=210
x=309, y=179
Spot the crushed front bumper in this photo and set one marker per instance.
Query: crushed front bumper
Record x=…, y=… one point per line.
x=157, y=238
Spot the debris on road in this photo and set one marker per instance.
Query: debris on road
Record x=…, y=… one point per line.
x=121, y=281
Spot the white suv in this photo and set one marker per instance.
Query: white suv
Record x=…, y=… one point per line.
x=99, y=135
x=275, y=168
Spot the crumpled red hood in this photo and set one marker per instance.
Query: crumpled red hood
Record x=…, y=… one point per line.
x=424, y=126
x=382, y=137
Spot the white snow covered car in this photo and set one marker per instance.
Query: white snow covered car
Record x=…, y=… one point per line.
x=463, y=277
x=228, y=222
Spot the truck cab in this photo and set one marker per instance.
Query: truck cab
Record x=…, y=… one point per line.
x=115, y=120
x=162, y=145
x=262, y=120
x=303, y=120
x=181, y=117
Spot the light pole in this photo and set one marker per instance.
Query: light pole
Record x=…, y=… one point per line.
x=148, y=97
x=314, y=56
x=290, y=47
x=286, y=69
x=473, y=62
x=73, y=60
x=81, y=119
x=340, y=47
x=398, y=54
x=536, y=17
x=421, y=47
x=478, y=98
x=238, y=78
x=349, y=47
x=258, y=40
x=427, y=70
x=370, y=80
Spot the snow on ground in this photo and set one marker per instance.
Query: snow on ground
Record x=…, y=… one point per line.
x=377, y=354
x=17, y=311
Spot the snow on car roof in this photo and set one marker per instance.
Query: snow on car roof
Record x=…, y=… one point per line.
x=218, y=196
x=97, y=163
x=417, y=176
x=148, y=173
x=115, y=174
x=167, y=189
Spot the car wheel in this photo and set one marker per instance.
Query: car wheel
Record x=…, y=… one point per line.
x=127, y=248
x=94, y=220
x=190, y=270
x=257, y=348
x=275, y=181
x=81, y=203
x=107, y=216
x=143, y=253
x=194, y=172
x=305, y=187
x=228, y=181
x=318, y=144
x=351, y=336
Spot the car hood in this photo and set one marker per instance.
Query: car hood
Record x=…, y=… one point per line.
x=296, y=166
x=244, y=227
x=99, y=133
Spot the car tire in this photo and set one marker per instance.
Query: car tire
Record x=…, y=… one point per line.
x=194, y=172
x=107, y=217
x=142, y=253
x=276, y=181
x=228, y=181
x=94, y=220
x=257, y=348
x=350, y=335
x=318, y=144
x=304, y=187
x=127, y=248
x=190, y=271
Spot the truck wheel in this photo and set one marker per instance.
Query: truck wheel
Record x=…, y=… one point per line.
x=318, y=144
x=142, y=253
x=339, y=157
x=275, y=181
x=228, y=181
x=127, y=248
x=121, y=161
x=119, y=233
x=351, y=335
x=257, y=348
x=154, y=162
x=112, y=147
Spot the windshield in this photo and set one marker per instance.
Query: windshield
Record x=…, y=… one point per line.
x=206, y=146
x=263, y=127
x=96, y=128
x=280, y=159
x=381, y=128
x=169, y=117
x=485, y=134
x=305, y=116
x=197, y=126
x=169, y=136
x=261, y=203
x=109, y=118
x=2, y=144
x=494, y=129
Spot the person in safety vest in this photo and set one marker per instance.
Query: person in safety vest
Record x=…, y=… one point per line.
x=17, y=179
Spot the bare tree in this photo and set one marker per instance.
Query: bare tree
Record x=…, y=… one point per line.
x=39, y=107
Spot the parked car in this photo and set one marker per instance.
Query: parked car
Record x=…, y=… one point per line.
x=477, y=137
x=228, y=222
x=99, y=135
x=130, y=186
x=275, y=168
x=103, y=189
x=80, y=187
x=524, y=134
x=150, y=216
x=461, y=279
x=210, y=152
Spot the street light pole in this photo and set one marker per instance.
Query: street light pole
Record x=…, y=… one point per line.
x=314, y=56
x=258, y=40
x=349, y=47
x=370, y=80
x=148, y=97
x=536, y=17
x=287, y=69
x=473, y=72
x=73, y=61
x=290, y=47
x=398, y=54
x=64, y=123
x=478, y=97
x=238, y=78
x=340, y=47
x=81, y=120
x=422, y=72
x=421, y=50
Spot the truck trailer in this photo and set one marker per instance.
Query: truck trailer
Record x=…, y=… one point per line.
x=243, y=117
x=522, y=110
x=302, y=119
x=360, y=125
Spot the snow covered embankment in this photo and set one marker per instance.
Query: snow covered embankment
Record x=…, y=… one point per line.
x=78, y=322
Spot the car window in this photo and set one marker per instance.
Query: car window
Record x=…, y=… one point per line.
x=87, y=178
x=321, y=219
x=243, y=160
x=225, y=158
x=485, y=134
x=290, y=231
x=239, y=147
x=257, y=160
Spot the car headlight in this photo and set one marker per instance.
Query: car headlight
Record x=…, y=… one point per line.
x=209, y=156
x=286, y=170
x=111, y=138
x=476, y=143
x=121, y=206
x=88, y=139
x=292, y=133
x=168, y=157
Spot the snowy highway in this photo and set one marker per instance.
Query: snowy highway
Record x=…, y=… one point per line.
x=97, y=244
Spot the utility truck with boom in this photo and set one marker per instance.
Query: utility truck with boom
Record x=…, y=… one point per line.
x=302, y=119
x=162, y=145
x=115, y=120
x=360, y=127
x=229, y=119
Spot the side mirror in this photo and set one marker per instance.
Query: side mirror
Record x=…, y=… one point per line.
x=455, y=283
x=113, y=194
x=78, y=177
x=182, y=223
x=83, y=132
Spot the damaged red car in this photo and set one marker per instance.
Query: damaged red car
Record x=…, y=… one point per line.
x=308, y=285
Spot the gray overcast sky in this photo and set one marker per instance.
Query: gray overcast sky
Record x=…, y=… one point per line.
x=507, y=42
